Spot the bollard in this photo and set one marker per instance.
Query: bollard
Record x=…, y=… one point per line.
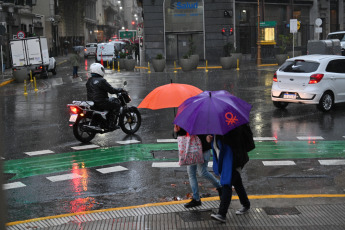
x=148, y=67
x=31, y=75
x=118, y=66
x=108, y=67
x=35, y=84
x=113, y=65
x=25, y=91
x=206, y=69
x=175, y=71
x=238, y=64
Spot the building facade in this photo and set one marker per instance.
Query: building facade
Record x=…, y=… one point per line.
x=173, y=27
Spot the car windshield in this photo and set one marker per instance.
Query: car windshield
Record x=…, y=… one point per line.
x=341, y=37
x=299, y=66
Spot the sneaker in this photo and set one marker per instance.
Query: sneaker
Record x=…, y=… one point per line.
x=242, y=211
x=220, y=192
x=193, y=203
x=219, y=217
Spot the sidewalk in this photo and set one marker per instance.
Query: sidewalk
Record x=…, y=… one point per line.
x=172, y=215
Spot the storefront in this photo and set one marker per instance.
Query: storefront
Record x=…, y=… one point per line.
x=184, y=29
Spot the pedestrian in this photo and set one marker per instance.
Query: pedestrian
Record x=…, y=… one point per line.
x=228, y=161
x=65, y=45
x=75, y=62
x=201, y=168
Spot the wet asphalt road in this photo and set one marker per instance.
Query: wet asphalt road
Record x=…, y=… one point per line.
x=39, y=121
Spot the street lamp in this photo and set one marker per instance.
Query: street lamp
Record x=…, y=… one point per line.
x=258, y=61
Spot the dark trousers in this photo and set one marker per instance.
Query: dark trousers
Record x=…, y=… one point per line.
x=112, y=104
x=75, y=70
x=225, y=201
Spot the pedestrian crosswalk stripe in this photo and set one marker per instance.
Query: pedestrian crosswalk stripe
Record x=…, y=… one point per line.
x=128, y=142
x=332, y=162
x=41, y=152
x=63, y=177
x=13, y=185
x=165, y=165
x=265, y=139
x=112, y=169
x=278, y=163
x=306, y=138
x=82, y=147
x=166, y=140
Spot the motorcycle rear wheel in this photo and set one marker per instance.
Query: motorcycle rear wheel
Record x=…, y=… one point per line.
x=130, y=121
x=80, y=133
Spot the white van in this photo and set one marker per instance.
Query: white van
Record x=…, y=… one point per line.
x=107, y=52
x=341, y=36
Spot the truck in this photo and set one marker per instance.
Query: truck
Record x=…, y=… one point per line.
x=31, y=55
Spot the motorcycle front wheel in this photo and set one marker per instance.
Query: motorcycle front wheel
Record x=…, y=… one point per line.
x=79, y=131
x=130, y=121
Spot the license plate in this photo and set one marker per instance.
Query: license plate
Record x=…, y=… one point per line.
x=73, y=117
x=289, y=95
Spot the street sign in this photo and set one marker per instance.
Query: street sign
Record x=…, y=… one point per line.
x=293, y=26
x=318, y=21
x=20, y=35
x=318, y=30
x=130, y=34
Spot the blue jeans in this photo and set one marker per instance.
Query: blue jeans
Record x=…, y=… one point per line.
x=202, y=171
x=75, y=70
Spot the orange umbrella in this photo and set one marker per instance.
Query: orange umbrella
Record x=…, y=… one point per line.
x=168, y=96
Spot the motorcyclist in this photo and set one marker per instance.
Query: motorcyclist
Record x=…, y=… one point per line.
x=98, y=89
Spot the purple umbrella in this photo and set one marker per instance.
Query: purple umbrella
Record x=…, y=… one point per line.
x=212, y=112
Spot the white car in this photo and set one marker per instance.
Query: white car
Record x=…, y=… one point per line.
x=90, y=49
x=341, y=36
x=311, y=79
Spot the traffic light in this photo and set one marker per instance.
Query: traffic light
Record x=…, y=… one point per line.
x=224, y=31
x=231, y=31
x=133, y=23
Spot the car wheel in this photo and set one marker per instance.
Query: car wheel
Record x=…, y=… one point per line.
x=280, y=105
x=85, y=56
x=326, y=102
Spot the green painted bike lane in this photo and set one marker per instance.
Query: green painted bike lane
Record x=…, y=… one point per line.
x=41, y=165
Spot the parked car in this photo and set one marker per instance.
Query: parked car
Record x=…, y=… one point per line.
x=90, y=49
x=341, y=36
x=311, y=79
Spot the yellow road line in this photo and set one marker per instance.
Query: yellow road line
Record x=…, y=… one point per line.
x=268, y=65
x=253, y=197
x=61, y=62
x=6, y=82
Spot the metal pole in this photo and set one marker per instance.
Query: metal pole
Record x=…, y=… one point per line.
x=2, y=64
x=258, y=62
x=234, y=17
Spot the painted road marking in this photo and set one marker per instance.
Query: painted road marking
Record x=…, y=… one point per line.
x=57, y=81
x=278, y=163
x=2, y=158
x=128, y=142
x=166, y=140
x=13, y=185
x=332, y=162
x=36, y=153
x=112, y=169
x=165, y=165
x=69, y=176
x=82, y=147
x=306, y=138
x=265, y=139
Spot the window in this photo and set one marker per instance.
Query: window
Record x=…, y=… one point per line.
x=299, y=66
x=336, y=66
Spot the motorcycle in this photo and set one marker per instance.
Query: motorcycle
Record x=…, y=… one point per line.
x=87, y=121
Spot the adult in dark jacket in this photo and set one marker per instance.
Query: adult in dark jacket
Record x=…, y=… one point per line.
x=97, y=91
x=229, y=159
